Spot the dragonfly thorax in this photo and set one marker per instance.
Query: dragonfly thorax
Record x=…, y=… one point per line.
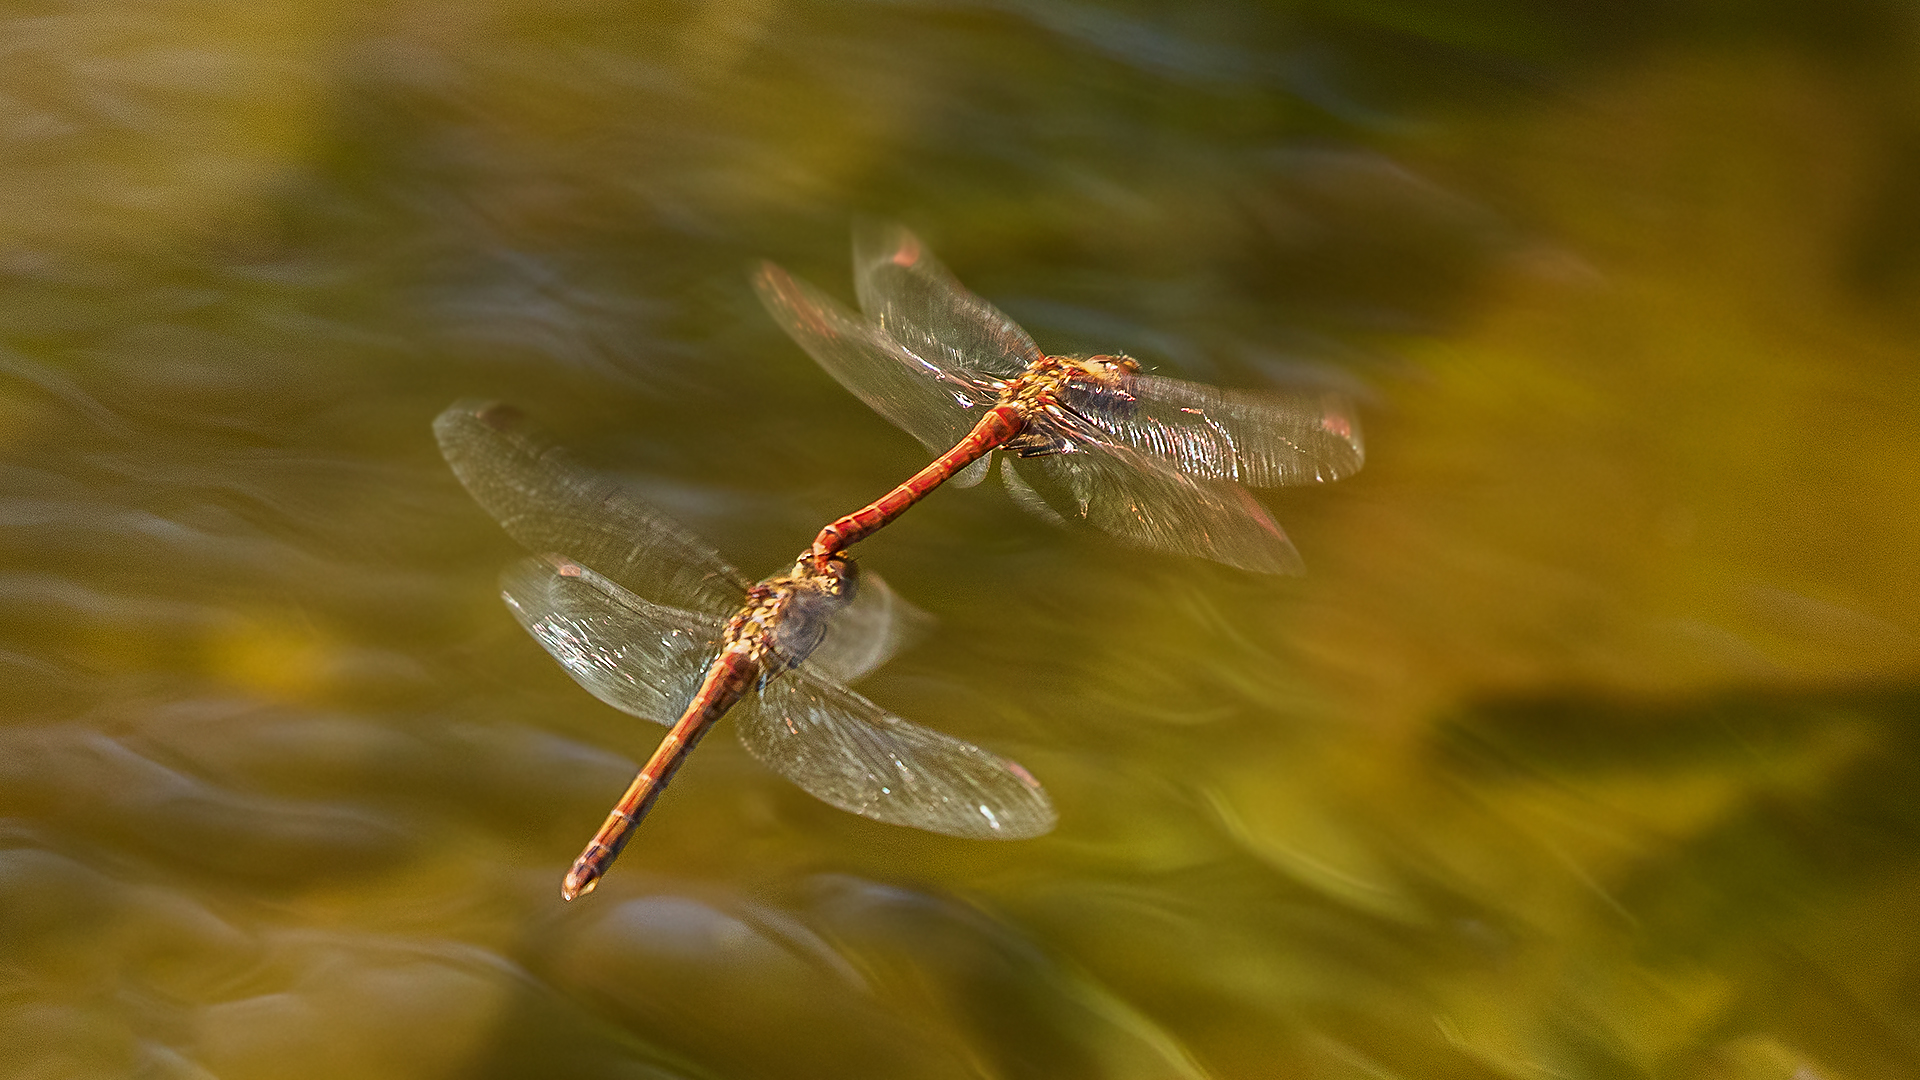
x=1045, y=381
x=1052, y=385
x=785, y=617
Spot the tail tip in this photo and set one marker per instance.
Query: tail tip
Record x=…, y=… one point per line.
x=579, y=882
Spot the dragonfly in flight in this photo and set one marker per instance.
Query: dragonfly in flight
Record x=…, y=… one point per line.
x=1156, y=461
x=652, y=621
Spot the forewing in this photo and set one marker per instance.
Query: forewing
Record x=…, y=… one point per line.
x=1143, y=500
x=869, y=631
x=849, y=752
x=635, y=655
x=920, y=304
x=1257, y=438
x=638, y=656
x=549, y=502
x=918, y=395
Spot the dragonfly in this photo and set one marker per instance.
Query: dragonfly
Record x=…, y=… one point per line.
x=1160, y=462
x=652, y=621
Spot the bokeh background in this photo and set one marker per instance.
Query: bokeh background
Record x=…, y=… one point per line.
x=1587, y=748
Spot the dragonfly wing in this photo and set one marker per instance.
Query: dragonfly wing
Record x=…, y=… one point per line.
x=1257, y=438
x=917, y=394
x=849, y=752
x=1023, y=494
x=972, y=474
x=549, y=502
x=869, y=631
x=920, y=304
x=1147, y=502
x=635, y=655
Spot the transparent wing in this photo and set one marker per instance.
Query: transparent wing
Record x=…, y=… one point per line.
x=549, y=502
x=919, y=396
x=1147, y=502
x=1257, y=438
x=637, y=656
x=849, y=752
x=972, y=474
x=1025, y=497
x=920, y=304
x=868, y=632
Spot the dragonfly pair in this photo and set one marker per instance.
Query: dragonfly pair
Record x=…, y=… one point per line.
x=651, y=621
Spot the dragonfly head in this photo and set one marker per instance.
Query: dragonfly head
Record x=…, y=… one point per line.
x=835, y=575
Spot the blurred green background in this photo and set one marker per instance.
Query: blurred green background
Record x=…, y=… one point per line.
x=1587, y=748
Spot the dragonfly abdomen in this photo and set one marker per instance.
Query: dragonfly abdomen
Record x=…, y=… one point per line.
x=733, y=673
x=999, y=424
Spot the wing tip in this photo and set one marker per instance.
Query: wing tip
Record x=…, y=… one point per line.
x=1279, y=558
x=464, y=411
x=877, y=240
x=1340, y=420
x=1032, y=824
x=771, y=283
x=1022, y=815
x=469, y=416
